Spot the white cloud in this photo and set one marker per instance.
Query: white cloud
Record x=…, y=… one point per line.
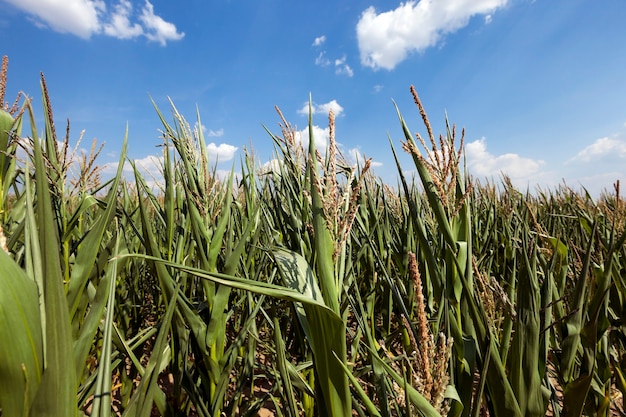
x=322, y=108
x=385, y=39
x=158, y=29
x=78, y=17
x=319, y=40
x=216, y=133
x=522, y=171
x=222, y=152
x=355, y=156
x=273, y=166
x=342, y=68
x=120, y=25
x=85, y=18
x=602, y=149
x=321, y=136
x=599, y=165
x=224, y=174
x=321, y=60
x=209, y=132
x=151, y=165
x=378, y=88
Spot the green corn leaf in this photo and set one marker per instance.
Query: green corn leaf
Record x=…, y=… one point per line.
x=497, y=381
x=429, y=187
x=91, y=245
x=21, y=360
x=524, y=356
x=365, y=399
x=144, y=397
x=324, y=245
x=283, y=369
x=326, y=332
x=575, y=393
x=417, y=399
x=102, y=395
x=57, y=393
x=326, y=328
x=90, y=253
x=574, y=323
x=8, y=127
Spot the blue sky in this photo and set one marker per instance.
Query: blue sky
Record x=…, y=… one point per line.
x=538, y=85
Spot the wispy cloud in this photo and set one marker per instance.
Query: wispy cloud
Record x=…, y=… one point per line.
x=321, y=60
x=216, y=133
x=598, y=165
x=85, y=18
x=385, y=39
x=601, y=149
x=209, y=132
x=322, y=108
x=342, y=68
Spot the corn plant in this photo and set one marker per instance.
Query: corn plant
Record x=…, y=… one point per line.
x=311, y=288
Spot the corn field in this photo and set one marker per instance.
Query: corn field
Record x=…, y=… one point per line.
x=308, y=289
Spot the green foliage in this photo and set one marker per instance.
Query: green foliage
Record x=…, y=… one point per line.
x=312, y=288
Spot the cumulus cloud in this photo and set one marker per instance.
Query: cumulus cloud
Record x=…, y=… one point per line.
x=602, y=149
x=596, y=167
x=273, y=166
x=120, y=25
x=385, y=39
x=158, y=29
x=321, y=136
x=151, y=166
x=597, y=183
x=322, y=108
x=78, y=17
x=355, y=156
x=85, y=18
x=483, y=164
x=222, y=152
x=319, y=40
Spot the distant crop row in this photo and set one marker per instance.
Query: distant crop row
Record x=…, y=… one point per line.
x=312, y=289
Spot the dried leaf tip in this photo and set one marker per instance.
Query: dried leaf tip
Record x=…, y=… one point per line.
x=3, y=80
